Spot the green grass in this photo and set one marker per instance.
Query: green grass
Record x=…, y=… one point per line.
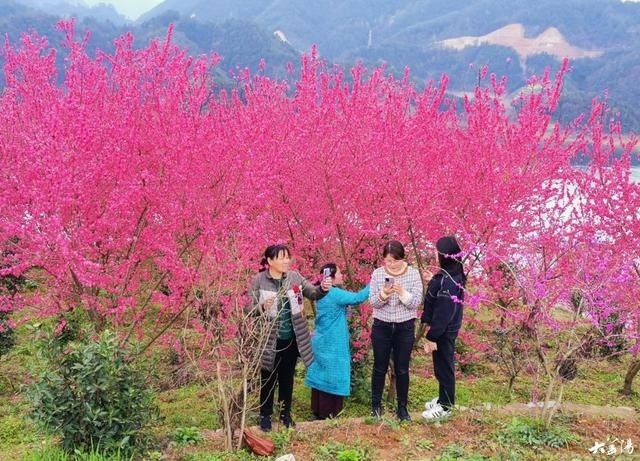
x=53, y=453
x=242, y=455
x=18, y=435
x=600, y=383
x=192, y=407
x=189, y=406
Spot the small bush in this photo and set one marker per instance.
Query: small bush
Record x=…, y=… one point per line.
x=7, y=333
x=361, y=381
x=282, y=438
x=341, y=452
x=9, y=286
x=456, y=452
x=425, y=444
x=187, y=436
x=90, y=395
x=531, y=432
x=466, y=357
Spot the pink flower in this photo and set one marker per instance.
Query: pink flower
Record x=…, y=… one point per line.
x=60, y=327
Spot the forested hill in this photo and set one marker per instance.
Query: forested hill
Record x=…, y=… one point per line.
x=241, y=43
x=515, y=38
x=411, y=33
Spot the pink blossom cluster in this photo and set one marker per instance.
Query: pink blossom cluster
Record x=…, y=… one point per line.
x=133, y=181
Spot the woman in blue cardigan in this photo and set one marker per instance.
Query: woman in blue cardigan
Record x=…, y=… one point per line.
x=329, y=376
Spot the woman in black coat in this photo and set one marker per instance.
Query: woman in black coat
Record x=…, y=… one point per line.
x=442, y=315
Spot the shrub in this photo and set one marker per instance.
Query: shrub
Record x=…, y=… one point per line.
x=7, y=333
x=456, y=452
x=90, y=395
x=9, y=287
x=532, y=432
x=187, y=436
x=341, y=452
x=361, y=380
x=282, y=438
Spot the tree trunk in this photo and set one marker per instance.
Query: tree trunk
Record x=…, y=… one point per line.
x=633, y=370
x=512, y=381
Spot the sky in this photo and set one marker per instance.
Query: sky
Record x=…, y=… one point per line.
x=130, y=8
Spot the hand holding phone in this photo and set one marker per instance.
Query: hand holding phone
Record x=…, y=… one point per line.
x=387, y=288
x=326, y=273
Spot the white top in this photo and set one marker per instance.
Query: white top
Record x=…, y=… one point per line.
x=394, y=309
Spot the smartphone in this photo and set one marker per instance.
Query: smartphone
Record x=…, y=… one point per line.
x=326, y=273
x=388, y=281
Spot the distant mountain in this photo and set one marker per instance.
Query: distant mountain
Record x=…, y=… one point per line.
x=432, y=37
x=241, y=44
x=515, y=38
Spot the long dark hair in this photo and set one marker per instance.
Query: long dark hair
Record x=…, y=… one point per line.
x=272, y=252
x=395, y=249
x=449, y=257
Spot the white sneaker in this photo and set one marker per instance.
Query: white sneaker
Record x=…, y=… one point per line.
x=436, y=412
x=431, y=403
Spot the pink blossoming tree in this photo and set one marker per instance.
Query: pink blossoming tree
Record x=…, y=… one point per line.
x=136, y=188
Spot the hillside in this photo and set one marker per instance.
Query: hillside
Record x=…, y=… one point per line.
x=514, y=38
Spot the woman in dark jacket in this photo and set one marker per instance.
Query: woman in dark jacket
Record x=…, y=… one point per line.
x=277, y=293
x=442, y=315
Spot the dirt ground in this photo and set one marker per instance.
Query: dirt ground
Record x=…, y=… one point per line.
x=472, y=429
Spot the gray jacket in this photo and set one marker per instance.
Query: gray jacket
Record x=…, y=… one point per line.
x=294, y=286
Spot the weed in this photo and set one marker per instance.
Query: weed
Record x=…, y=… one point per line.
x=241, y=455
x=55, y=453
x=454, y=451
x=532, y=432
x=341, y=452
x=282, y=438
x=187, y=436
x=424, y=444
x=14, y=430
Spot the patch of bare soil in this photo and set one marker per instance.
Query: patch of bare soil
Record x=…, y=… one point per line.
x=472, y=429
x=551, y=41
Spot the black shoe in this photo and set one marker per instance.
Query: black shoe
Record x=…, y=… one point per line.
x=287, y=421
x=403, y=414
x=265, y=423
x=376, y=411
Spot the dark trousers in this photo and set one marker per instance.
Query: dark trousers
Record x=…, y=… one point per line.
x=282, y=374
x=391, y=338
x=444, y=369
x=325, y=405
